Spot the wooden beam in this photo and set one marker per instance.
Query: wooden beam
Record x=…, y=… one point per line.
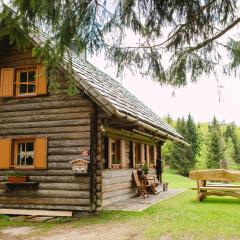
x=108, y=131
x=36, y=212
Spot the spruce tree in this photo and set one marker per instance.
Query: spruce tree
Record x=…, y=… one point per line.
x=183, y=158
x=231, y=133
x=216, y=145
x=192, y=137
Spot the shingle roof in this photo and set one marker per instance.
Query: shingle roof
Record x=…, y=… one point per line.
x=112, y=91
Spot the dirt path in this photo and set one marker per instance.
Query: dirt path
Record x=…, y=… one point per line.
x=109, y=231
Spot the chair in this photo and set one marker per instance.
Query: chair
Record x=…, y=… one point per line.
x=152, y=183
x=141, y=187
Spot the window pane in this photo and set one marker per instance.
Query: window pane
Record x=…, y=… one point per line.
x=31, y=88
x=21, y=147
x=23, y=76
x=25, y=153
x=29, y=160
x=22, y=88
x=30, y=146
x=31, y=76
x=18, y=160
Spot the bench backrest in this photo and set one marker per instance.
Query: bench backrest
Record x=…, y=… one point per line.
x=215, y=174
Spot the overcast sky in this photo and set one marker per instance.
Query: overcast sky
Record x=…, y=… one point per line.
x=201, y=99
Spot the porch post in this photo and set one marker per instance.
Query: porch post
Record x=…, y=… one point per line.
x=159, y=165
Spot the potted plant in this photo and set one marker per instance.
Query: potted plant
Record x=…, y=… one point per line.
x=145, y=170
x=16, y=177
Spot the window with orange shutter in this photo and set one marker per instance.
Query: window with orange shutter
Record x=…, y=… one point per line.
x=26, y=82
x=23, y=153
x=23, y=82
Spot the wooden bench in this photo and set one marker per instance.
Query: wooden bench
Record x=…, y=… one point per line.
x=205, y=186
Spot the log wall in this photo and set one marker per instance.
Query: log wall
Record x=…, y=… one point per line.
x=65, y=121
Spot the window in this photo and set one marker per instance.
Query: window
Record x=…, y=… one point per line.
x=26, y=82
x=116, y=158
x=116, y=153
x=152, y=156
x=23, y=153
x=138, y=155
x=23, y=82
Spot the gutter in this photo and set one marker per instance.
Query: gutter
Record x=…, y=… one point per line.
x=153, y=129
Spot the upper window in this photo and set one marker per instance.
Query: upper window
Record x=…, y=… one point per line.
x=26, y=82
x=23, y=82
x=24, y=153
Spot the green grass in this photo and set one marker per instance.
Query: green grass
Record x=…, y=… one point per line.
x=180, y=217
x=177, y=181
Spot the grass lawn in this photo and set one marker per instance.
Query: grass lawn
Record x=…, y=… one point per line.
x=180, y=217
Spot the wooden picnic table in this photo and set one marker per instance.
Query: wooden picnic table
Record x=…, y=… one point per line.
x=216, y=182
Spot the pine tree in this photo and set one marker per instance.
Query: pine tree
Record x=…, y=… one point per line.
x=231, y=133
x=183, y=158
x=216, y=145
x=192, y=136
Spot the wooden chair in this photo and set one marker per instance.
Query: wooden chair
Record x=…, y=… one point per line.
x=141, y=187
x=152, y=183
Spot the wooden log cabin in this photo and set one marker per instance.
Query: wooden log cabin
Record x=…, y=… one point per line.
x=41, y=132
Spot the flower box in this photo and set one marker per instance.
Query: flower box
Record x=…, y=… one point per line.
x=17, y=179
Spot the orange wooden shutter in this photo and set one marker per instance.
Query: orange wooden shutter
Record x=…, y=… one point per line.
x=5, y=153
x=40, y=154
x=6, y=82
x=41, y=81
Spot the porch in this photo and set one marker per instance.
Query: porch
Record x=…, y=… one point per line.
x=139, y=204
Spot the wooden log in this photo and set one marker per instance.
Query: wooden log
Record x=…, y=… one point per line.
x=45, y=193
x=64, y=186
x=65, y=158
x=69, y=143
x=35, y=212
x=60, y=165
x=112, y=181
x=43, y=105
x=10, y=121
x=115, y=173
x=44, y=201
x=45, y=112
x=53, y=136
x=109, y=195
x=45, y=130
x=116, y=187
x=118, y=198
x=60, y=123
x=216, y=174
x=44, y=99
x=55, y=179
x=52, y=207
x=66, y=150
x=60, y=172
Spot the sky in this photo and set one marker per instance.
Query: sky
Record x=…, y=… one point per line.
x=200, y=99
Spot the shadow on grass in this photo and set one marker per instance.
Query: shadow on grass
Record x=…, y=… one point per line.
x=218, y=200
